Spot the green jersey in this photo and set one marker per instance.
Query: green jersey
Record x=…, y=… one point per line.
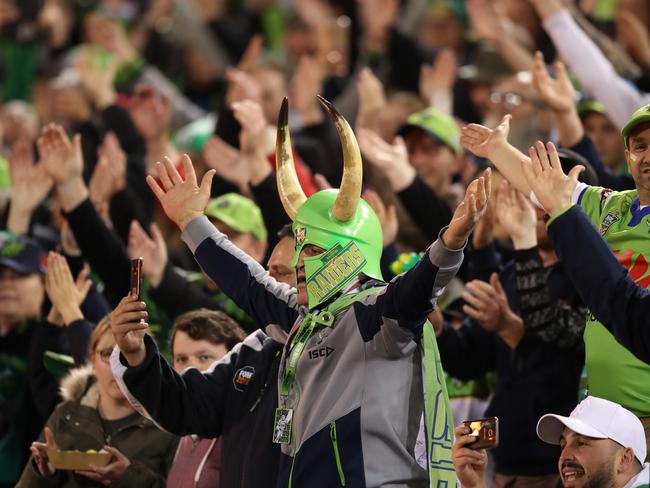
x=613, y=372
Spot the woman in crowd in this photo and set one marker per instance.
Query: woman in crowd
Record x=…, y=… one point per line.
x=96, y=415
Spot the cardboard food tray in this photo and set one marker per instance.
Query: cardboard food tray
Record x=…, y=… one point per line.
x=77, y=460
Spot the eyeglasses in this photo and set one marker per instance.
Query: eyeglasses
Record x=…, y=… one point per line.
x=509, y=99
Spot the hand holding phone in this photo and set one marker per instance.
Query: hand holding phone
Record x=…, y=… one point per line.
x=486, y=432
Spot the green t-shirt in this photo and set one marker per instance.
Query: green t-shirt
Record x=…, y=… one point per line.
x=613, y=372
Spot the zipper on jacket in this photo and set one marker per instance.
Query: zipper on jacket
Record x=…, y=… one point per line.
x=337, y=455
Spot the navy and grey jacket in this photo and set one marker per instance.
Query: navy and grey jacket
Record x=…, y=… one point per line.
x=357, y=404
x=235, y=399
x=613, y=298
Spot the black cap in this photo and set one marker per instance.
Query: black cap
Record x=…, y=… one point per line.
x=21, y=254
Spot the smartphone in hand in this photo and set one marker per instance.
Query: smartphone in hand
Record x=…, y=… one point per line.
x=136, y=277
x=486, y=432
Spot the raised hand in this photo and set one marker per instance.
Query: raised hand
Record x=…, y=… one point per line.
x=182, y=200
x=255, y=134
x=61, y=158
x=306, y=84
x=470, y=464
x=30, y=184
x=97, y=76
x=39, y=453
x=153, y=251
x=481, y=141
x=551, y=186
x=372, y=99
x=226, y=161
x=109, y=176
x=387, y=215
x=64, y=292
x=469, y=212
x=558, y=94
x=110, y=473
x=392, y=159
x=517, y=216
x=485, y=21
x=242, y=86
x=439, y=77
x=128, y=326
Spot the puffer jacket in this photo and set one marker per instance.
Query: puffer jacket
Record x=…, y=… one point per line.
x=76, y=424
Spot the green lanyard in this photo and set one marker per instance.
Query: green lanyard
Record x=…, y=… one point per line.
x=304, y=332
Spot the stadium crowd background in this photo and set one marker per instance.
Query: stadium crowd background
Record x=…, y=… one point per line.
x=105, y=89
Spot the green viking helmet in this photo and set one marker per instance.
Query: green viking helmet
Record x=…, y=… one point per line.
x=338, y=221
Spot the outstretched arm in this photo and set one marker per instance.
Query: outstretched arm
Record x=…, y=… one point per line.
x=399, y=313
x=239, y=276
x=493, y=144
x=604, y=285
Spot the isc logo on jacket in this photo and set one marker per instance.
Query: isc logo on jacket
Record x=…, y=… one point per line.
x=243, y=377
x=321, y=352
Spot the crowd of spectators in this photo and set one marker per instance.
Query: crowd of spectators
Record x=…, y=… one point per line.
x=548, y=313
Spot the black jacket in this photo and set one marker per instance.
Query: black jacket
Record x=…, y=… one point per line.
x=241, y=409
x=533, y=379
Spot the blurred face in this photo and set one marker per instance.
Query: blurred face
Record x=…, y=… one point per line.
x=638, y=161
x=274, y=89
x=150, y=113
x=243, y=240
x=21, y=297
x=189, y=353
x=607, y=139
x=299, y=43
x=435, y=163
x=280, y=262
x=479, y=94
x=308, y=251
x=68, y=105
x=586, y=462
x=18, y=122
x=100, y=359
x=442, y=29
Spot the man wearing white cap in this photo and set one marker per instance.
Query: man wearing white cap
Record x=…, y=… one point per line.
x=603, y=446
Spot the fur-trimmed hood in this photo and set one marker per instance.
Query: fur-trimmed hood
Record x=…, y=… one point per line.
x=80, y=385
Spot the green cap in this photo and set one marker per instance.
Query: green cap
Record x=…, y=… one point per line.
x=239, y=213
x=590, y=106
x=194, y=135
x=439, y=125
x=639, y=117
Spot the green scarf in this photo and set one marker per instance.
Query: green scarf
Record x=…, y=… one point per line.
x=438, y=419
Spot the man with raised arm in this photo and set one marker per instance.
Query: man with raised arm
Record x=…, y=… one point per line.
x=358, y=357
x=623, y=219
x=605, y=286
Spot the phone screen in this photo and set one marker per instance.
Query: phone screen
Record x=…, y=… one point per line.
x=136, y=277
x=486, y=432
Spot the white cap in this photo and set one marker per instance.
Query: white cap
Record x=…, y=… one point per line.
x=599, y=419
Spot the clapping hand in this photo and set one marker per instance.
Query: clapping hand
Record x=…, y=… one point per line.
x=517, y=216
x=551, y=186
x=481, y=141
x=468, y=213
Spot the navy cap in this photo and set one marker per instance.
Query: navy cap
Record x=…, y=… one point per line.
x=21, y=254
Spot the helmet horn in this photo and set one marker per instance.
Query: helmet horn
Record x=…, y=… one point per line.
x=291, y=194
x=349, y=195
